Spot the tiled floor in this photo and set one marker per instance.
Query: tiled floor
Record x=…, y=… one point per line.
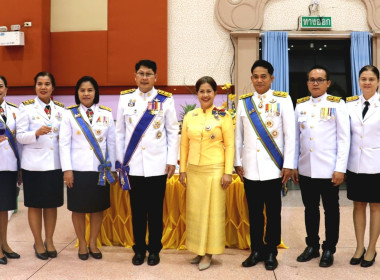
x=116, y=262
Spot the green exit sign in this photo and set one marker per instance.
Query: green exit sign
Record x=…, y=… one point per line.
x=315, y=22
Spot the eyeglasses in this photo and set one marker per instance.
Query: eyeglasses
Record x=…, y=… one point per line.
x=142, y=75
x=318, y=81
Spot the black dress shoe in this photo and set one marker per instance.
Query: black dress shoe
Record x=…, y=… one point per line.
x=97, y=256
x=271, y=263
x=356, y=261
x=41, y=256
x=12, y=255
x=252, y=260
x=365, y=263
x=51, y=254
x=3, y=260
x=153, y=258
x=83, y=257
x=327, y=259
x=138, y=258
x=308, y=254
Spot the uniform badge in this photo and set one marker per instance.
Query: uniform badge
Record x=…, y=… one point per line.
x=132, y=102
x=101, y=139
x=212, y=136
x=208, y=127
x=272, y=101
x=38, y=117
x=159, y=134
x=157, y=124
x=269, y=123
x=260, y=104
x=78, y=132
x=303, y=126
x=55, y=129
x=130, y=120
x=98, y=132
x=58, y=116
x=274, y=133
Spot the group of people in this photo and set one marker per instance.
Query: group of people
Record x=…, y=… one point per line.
x=271, y=143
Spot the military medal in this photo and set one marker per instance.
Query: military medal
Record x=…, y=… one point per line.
x=274, y=133
x=55, y=129
x=159, y=134
x=130, y=120
x=131, y=102
x=157, y=124
x=98, y=132
x=208, y=127
x=302, y=126
x=260, y=104
x=154, y=106
x=212, y=136
x=269, y=123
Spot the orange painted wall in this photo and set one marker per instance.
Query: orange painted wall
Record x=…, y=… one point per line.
x=136, y=30
x=20, y=64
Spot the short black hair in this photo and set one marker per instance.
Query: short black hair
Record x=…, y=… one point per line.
x=319, y=67
x=263, y=63
x=147, y=63
x=205, y=80
x=4, y=81
x=43, y=74
x=371, y=68
x=93, y=82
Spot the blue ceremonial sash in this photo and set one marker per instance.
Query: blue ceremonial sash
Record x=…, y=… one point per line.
x=141, y=127
x=261, y=131
x=105, y=166
x=12, y=142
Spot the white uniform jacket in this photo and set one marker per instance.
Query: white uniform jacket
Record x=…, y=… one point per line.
x=8, y=160
x=364, y=154
x=75, y=151
x=159, y=144
x=42, y=153
x=322, y=136
x=249, y=150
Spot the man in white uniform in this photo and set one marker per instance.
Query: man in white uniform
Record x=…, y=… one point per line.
x=322, y=147
x=146, y=154
x=264, y=159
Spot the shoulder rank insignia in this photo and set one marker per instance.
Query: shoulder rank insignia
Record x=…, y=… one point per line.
x=165, y=93
x=303, y=99
x=352, y=98
x=127, y=91
x=59, y=104
x=105, y=108
x=11, y=104
x=72, y=106
x=28, y=102
x=334, y=98
x=280, y=93
x=245, y=95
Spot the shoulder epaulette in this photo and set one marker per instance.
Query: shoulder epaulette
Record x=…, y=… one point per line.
x=28, y=102
x=280, y=93
x=72, y=106
x=105, y=108
x=59, y=104
x=303, y=99
x=352, y=98
x=11, y=104
x=334, y=98
x=165, y=93
x=245, y=95
x=127, y=91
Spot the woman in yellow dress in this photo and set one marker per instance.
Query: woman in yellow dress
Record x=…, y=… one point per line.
x=207, y=151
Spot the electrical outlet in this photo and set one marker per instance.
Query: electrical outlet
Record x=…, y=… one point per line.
x=27, y=23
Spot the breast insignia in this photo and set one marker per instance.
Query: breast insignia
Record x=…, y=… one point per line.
x=303, y=99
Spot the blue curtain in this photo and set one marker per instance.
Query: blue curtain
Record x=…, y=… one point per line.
x=275, y=50
x=360, y=56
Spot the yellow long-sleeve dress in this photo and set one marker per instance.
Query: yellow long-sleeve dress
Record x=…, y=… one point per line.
x=207, y=151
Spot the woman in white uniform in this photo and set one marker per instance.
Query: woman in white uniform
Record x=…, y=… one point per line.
x=87, y=148
x=37, y=130
x=364, y=163
x=9, y=152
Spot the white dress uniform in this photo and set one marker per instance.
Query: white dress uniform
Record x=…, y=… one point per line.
x=42, y=153
x=6, y=151
x=75, y=151
x=365, y=135
x=159, y=145
x=322, y=136
x=250, y=152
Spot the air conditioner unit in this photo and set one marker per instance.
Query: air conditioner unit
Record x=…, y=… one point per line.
x=12, y=38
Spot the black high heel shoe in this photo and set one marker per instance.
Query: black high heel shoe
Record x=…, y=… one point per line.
x=365, y=263
x=41, y=256
x=12, y=255
x=356, y=261
x=51, y=254
x=97, y=256
x=3, y=260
